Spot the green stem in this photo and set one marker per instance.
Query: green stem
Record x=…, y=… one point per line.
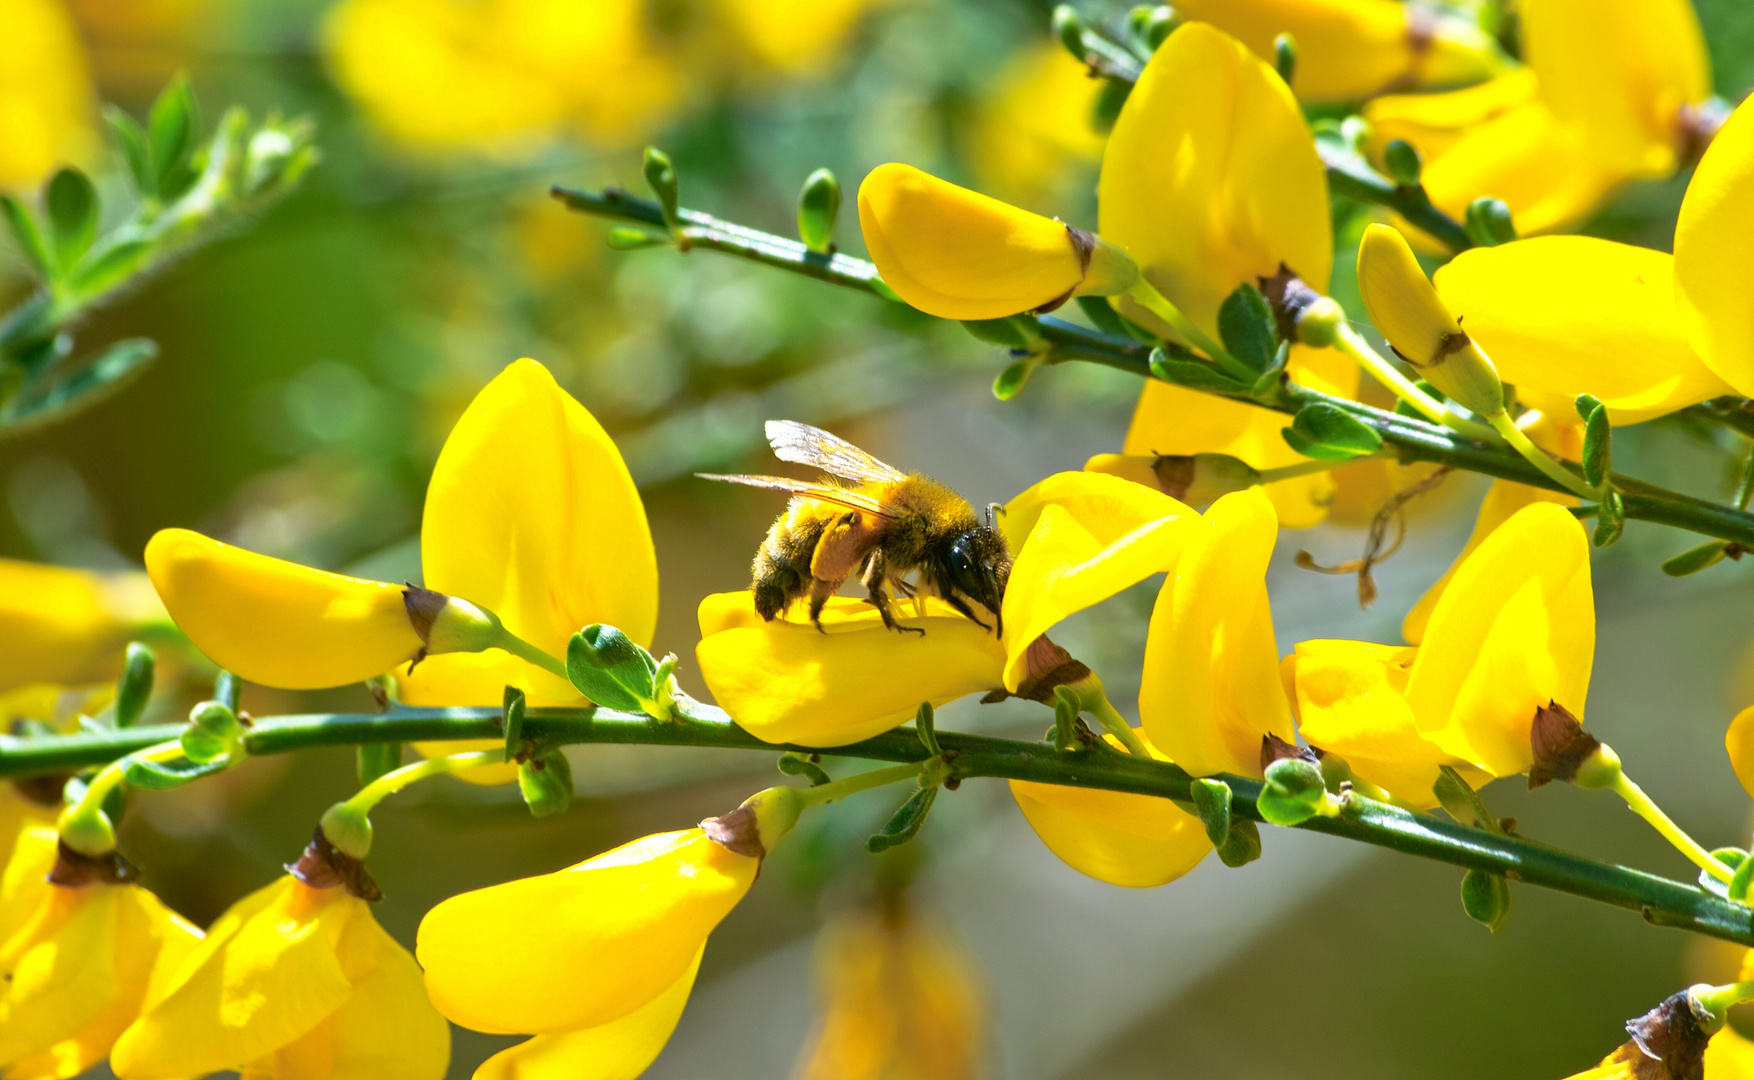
x=1646, y=808
x=1147, y=296
x=1718, y=1000
x=369, y=796
x=1307, y=468
x=1659, y=900
x=852, y=785
x=523, y=650
x=1115, y=724
x=110, y=778
x=1539, y=458
x=1353, y=344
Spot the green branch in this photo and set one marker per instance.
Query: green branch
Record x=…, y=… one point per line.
x=1412, y=439
x=1660, y=900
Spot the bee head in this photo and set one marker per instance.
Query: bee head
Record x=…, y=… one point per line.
x=977, y=565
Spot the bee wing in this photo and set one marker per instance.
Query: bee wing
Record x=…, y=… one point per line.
x=805, y=445
x=855, y=500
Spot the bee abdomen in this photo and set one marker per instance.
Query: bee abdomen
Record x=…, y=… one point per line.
x=781, y=572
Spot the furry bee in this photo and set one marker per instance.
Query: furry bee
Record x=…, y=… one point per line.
x=886, y=524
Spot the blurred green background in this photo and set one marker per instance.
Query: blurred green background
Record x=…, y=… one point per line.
x=312, y=363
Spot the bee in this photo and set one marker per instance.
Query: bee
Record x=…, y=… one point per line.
x=885, y=525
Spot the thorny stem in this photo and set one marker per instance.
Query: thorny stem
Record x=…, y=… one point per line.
x=1646, y=808
x=1660, y=900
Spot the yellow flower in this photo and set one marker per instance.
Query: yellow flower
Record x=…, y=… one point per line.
x=1211, y=180
x=68, y=627
x=30, y=846
x=1615, y=83
x=45, y=92
x=1079, y=537
x=899, y=999
x=1348, y=50
x=1210, y=690
x=1132, y=840
x=1739, y=741
x=292, y=981
x=958, y=254
x=1715, y=312
x=1605, y=325
x=1034, y=127
x=1513, y=631
x=78, y=971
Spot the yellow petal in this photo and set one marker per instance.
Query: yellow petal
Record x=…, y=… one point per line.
x=1033, y=126
x=621, y=1049
x=615, y=932
x=1172, y=420
x=1090, y=536
x=1605, y=326
x=1132, y=840
x=267, y=973
x=1211, y=178
x=1210, y=689
x=1433, y=122
x=1717, y=312
x=1739, y=741
x=27, y=864
x=1515, y=629
x=785, y=681
x=67, y=626
x=1729, y=1056
x=60, y=970
x=531, y=513
x=1620, y=70
x=278, y=623
x=958, y=254
x=1348, y=50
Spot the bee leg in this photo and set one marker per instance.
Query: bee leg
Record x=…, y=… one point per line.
x=820, y=591
x=963, y=609
x=874, y=579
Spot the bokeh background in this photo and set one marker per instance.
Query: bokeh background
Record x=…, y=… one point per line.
x=312, y=363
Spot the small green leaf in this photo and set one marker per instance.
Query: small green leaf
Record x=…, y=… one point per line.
x=1212, y=803
x=1066, y=709
x=926, y=729
x=546, y=784
x=1293, y=792
x=134, y=687
x=1329, y=433
x=607, y=667
x=131, y=142
x=1285, y=57
x=1486, y=898
x=72, y=205
x=1106, y=109
x=1242, y=845
x=792, y=763
x=108, y=265
x=375, y=759
x=1104, y=317
x=1693, y=560
x=1610, y=518
x=1461, y=801
x=661, y=178
x=69, y=391
x=1010, y=382
x=1193, y=374
x=628, y=238
x=1402, y=162
x=1597, y=439
x=818, y=207
x=1246, y=326
x=170, y=137
x=153, y=775
x=514, y=722
x=906, y=822
x=1740, y=881
x=28, y=237
x=1005, y=332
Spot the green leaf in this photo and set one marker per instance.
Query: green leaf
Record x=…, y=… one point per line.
x=141, y=773
x=818, y=207
x=546, y=784
x=1066, y=709
x=1005, y=332
x=72, y=205
x=1246, y=326
x=1104, y=317
x=170, y=137
x=375, y=759
x=1610, y=518
x=134, y=687
x=793, y=763
x=1212, y=803
x=607, y=667
x=1489, y=222
x=906, y=822
x=1010, y=382
x=1242, y=845
x=131, y=142
x=1597, y=439
x=108, y=265
x=926, y=729
x=1193, y=374
x=1293, y=792
x=1693, y=560
x=69, y=391
x=29, y=237
x=514, y=722
x=1461, y=801
x=1486, y=898
x=1740, y=881
x=1329, y=433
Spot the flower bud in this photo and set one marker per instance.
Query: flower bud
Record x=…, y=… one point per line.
x=348, y=828
x=1195, y=479
x=212, y=732
x=546, y=784
x=661, y=178
x=448, y=624
x=957, y=254
x=1402, y=162
x=1293, y=793
x=88, y=831
x=1069, y=28
x=1408, y=312
x=1318, y=323
x=134, y=687
x=818, y=207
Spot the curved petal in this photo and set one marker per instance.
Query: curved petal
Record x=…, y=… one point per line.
x=1433, y=122
x=1729, y=1056
x=958, y=254
x=1173, y=420
x=1348, y=50
x=1091, y=536
x=1133, y=840
x=1515, y=629
x=1211, y=179
x=1716, y=309
x=621, y=1049
x=27, y=865
x=785, y=681
x=1739, y=741
x=618, y=930
x=60, y=970
x=67, y=626
x=531, y=513
x=1605, y=326
x=278, y=623
x=1620, y=70
x=1210, y=689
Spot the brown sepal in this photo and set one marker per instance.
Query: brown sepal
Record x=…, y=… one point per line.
x=423, y=607
x=324, y=866
x=1560, y=744
x=72, y=869
x=1175, y=474
x=737, y=831
x=1083, y=244
x=1667, y=1043
x=1288, y=295
x=1273, y=748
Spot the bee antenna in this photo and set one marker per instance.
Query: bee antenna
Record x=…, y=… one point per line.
x=994, y=510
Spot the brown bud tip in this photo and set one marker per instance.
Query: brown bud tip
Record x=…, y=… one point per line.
x=1175, y=474
x=1560, y=744
x=737, y=831
x=1668, y=1043
x=423, y=607
x=324, y=866
x=1273, y=748
x=1083, y=245
x=73, y=870
x=1288, y=295
x=1047, y=666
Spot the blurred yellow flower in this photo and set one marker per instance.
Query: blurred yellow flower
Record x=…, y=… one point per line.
x=1616, y=85
x=1210, y=690
x=1033, y=128
x=1348, y=50
x=79, y=970
x=1210, y=180
x=900, y=1001
x=795, y=37
x=137, y=45
x=1716, y=312
x=67, y=627
x=1513, y=631
x=29, y=845
x=45, y=92
x=294, y=982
